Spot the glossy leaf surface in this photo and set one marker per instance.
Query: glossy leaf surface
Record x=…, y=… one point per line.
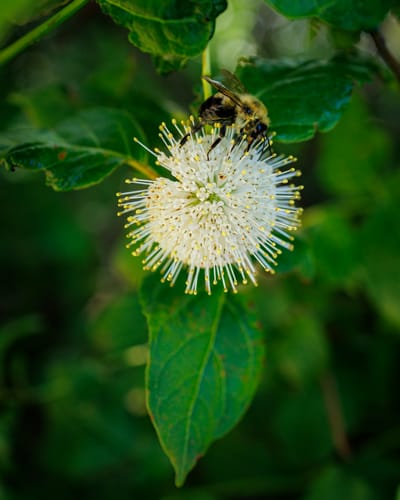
x=205, y=361
x=79, y=152
x=354, y=15
x=303, y=97
x=171, y=31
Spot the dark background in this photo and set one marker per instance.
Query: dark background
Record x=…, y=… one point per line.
x=325, y=422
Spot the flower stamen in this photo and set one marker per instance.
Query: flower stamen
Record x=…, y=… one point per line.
x=222, y=210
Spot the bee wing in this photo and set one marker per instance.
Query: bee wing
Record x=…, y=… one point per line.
x=221, y=88
x=233, y=82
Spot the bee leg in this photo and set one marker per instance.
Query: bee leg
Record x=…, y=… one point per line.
x=241, y=135
x=249, y=143
x=193, y=130
x=222, y=133
x=267, y=143
x=250, y=140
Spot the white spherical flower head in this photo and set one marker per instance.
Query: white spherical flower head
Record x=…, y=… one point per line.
x=224, y=209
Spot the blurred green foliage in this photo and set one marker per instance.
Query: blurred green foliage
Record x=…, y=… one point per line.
x=324, y=423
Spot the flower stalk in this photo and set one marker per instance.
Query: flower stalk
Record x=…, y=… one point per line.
x=206, y=71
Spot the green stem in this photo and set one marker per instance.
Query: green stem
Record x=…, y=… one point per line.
x=33, y=36
x=206, y=71
x=143, y=169
x=335, y=415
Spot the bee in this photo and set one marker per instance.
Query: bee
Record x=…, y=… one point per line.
x=228, y=107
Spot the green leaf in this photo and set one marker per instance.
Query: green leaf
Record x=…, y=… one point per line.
x=79, y=152
x=348, y=15
x=170, y=31
x=304, y=8
x=303, y=97
x=204, y=365
x=379, y=246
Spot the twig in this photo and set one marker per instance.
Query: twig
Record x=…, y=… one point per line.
x=385, y=53
x=335, y=416
x=33, y=36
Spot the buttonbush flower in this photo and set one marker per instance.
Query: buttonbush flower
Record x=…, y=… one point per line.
x=217, y=214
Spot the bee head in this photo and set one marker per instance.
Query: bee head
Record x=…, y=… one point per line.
x=261, y=127
x=248, y=111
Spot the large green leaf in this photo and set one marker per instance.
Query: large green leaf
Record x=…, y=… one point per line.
x=303, y=97
x=169, y=30
x=350, y=15
x=79, y=152
x=204, y=365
